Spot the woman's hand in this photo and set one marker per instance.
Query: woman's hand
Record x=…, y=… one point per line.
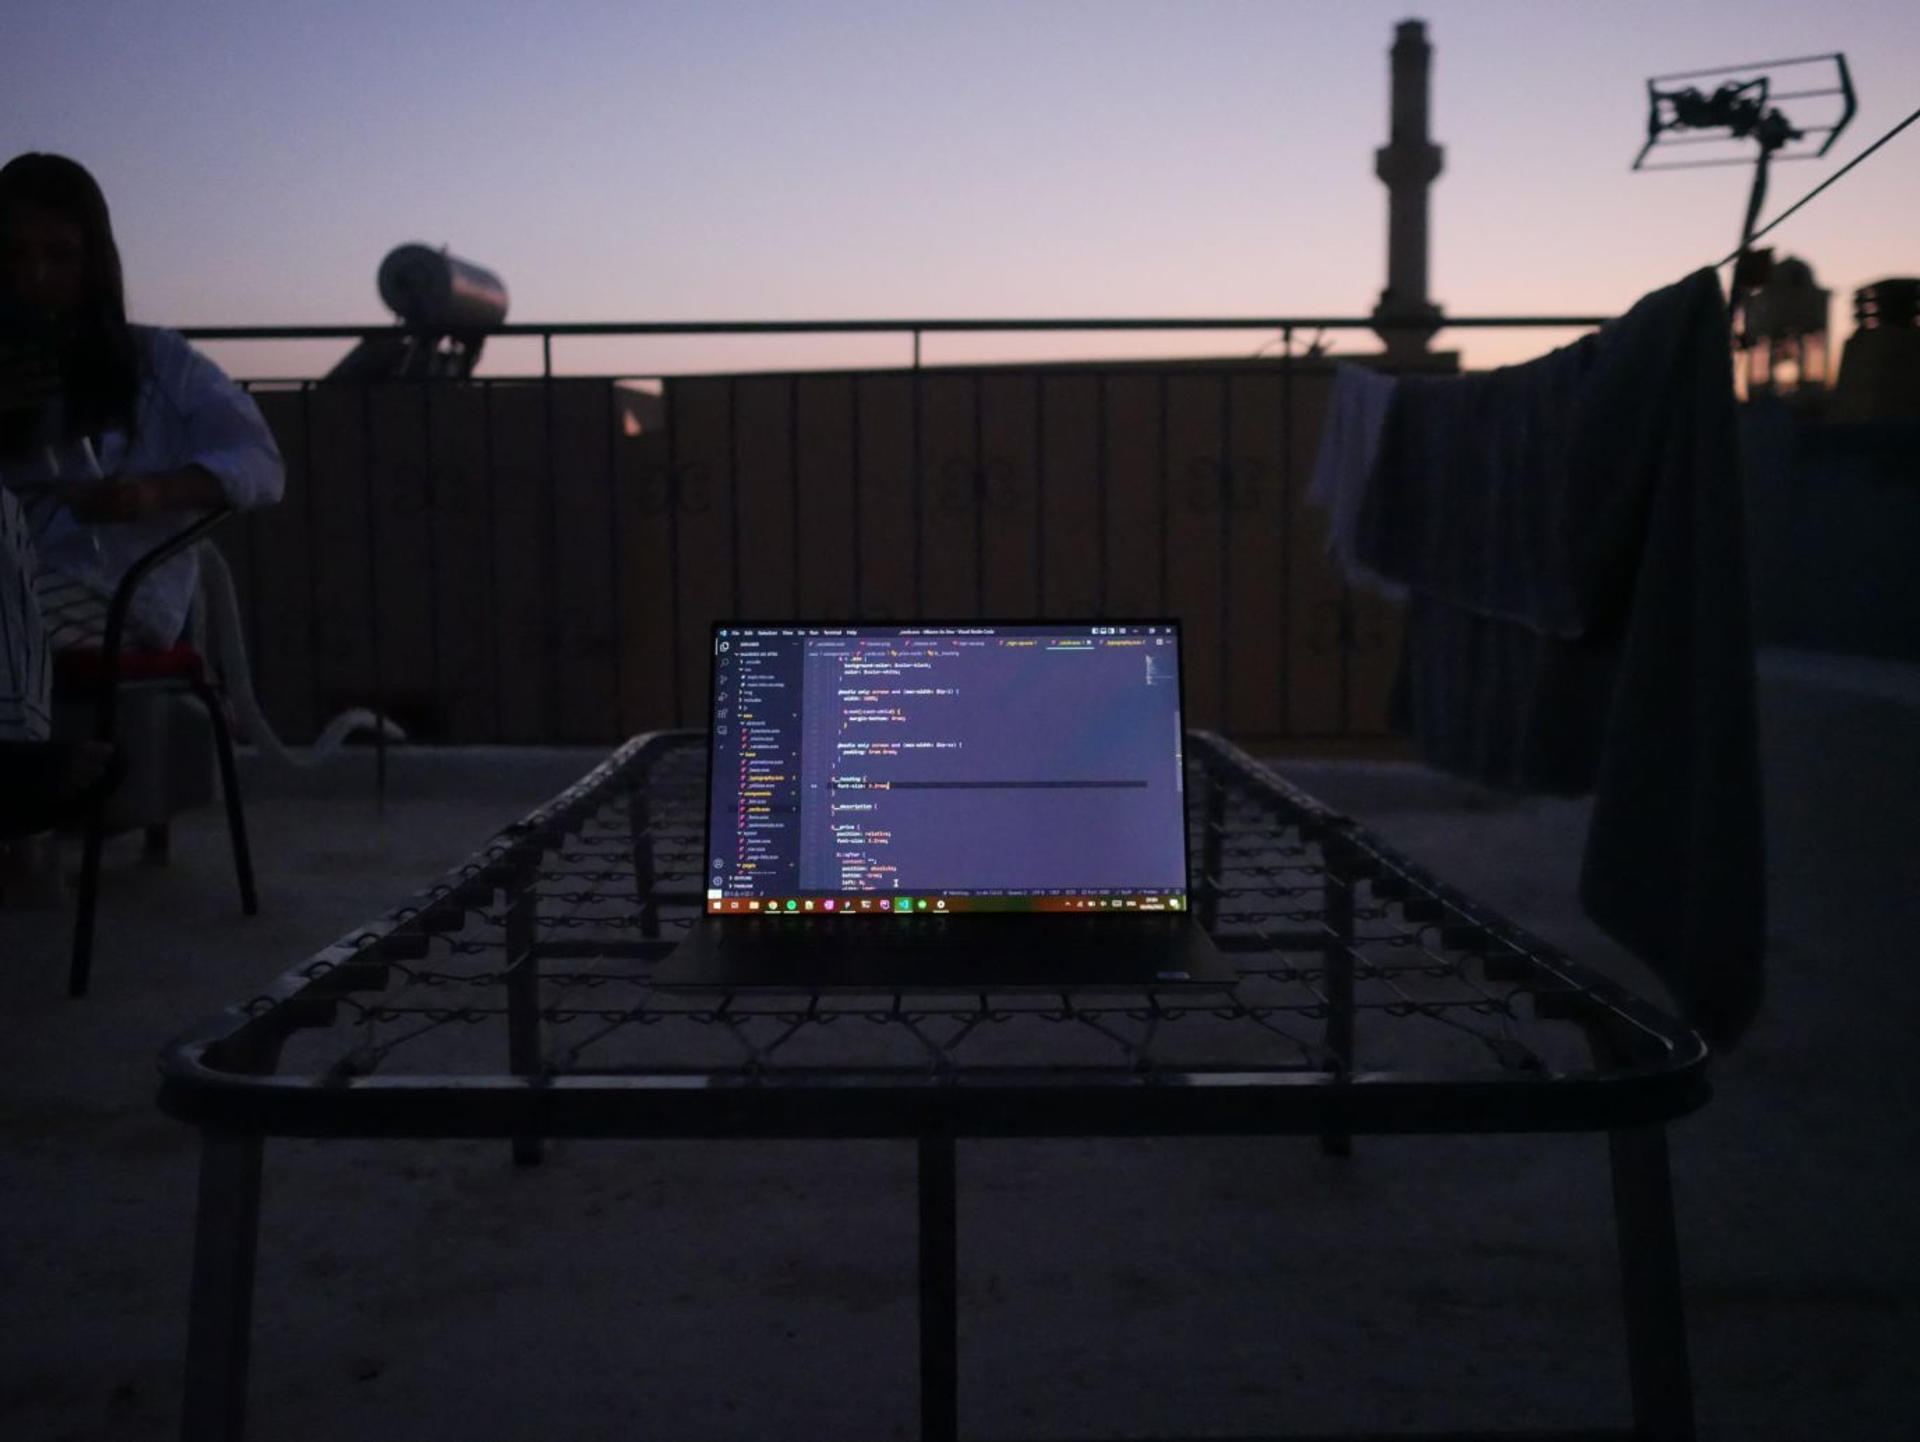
x=122, y=498
x=135, y=497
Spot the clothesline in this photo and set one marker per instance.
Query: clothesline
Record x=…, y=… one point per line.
x=1823, y=185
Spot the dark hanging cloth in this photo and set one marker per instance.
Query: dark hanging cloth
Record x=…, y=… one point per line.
x=1570, y=532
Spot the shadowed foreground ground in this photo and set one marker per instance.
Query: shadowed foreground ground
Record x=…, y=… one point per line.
x=1179, y=1287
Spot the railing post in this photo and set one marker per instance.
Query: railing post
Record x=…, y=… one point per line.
x=1285, y=509
x=370, y=496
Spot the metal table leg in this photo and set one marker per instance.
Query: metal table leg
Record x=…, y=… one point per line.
x=523, y=1002
x=939, y=1330
x=640, y=835
x=1650, y=1283
x=220, y=1324
x=1337, y=961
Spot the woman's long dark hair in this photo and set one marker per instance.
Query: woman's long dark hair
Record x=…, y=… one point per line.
x=101, y=363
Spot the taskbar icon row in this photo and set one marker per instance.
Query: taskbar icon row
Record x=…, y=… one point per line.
x=890, y=905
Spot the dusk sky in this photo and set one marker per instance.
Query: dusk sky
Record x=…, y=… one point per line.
x=1005, y=158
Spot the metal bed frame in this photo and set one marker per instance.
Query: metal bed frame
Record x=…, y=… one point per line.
x=512, y=1000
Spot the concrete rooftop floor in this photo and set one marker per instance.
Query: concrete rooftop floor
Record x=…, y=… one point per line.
x=432, y=1290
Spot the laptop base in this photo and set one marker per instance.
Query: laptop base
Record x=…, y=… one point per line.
x=986, y=955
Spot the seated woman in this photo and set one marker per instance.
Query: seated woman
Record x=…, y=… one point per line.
x=144, y=433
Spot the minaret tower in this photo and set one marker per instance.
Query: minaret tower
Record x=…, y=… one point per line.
x=1408, y=164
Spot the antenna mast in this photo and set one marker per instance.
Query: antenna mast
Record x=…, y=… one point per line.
x=1745, y=105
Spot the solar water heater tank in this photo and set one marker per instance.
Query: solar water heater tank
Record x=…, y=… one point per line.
x=432, y=290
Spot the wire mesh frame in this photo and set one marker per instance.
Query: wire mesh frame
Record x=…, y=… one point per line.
x=512, y=999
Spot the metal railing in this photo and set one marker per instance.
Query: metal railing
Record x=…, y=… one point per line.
x=912, y=331
x=537, y=559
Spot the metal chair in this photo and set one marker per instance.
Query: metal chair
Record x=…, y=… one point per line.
x=97, y=678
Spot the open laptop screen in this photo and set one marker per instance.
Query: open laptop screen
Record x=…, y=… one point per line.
x=928, y=767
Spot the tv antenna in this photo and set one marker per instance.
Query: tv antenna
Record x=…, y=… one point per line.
x=1715, y=112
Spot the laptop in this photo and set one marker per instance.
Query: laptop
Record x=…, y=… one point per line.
x=932, y=806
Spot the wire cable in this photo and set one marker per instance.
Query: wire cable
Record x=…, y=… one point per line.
x=1823, y=185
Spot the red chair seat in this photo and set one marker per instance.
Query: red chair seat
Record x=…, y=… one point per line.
x=80, y=668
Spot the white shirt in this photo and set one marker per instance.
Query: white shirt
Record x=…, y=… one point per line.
x=188, y=413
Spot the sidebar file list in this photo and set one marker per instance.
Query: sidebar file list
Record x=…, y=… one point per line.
x=756, y=799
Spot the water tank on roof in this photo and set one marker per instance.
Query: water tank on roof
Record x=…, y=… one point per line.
x=447, y=307
x=1790, y=303
x=1880, y=369
x=1783, y=334
x=432, y=290
x=1888, y=305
